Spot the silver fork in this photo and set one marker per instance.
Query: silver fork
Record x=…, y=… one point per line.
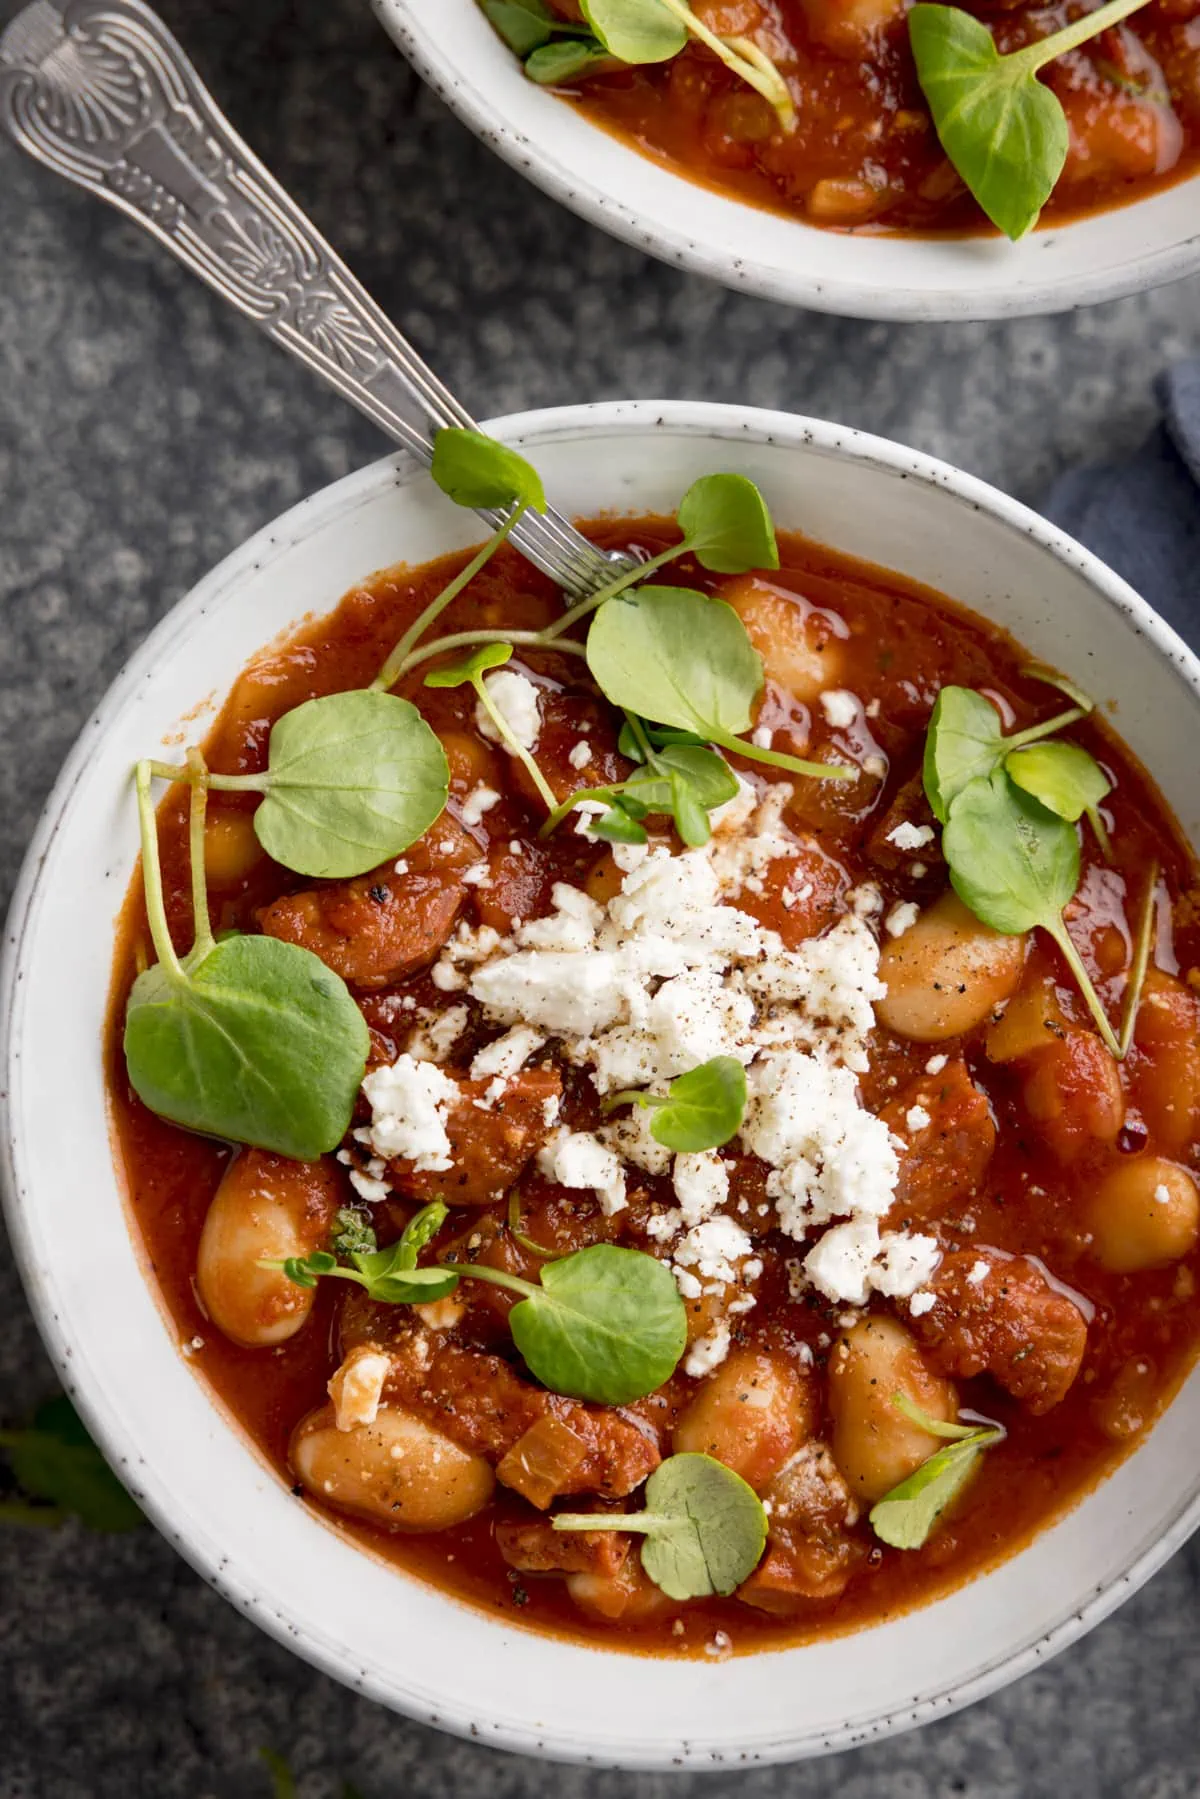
x=101, y=92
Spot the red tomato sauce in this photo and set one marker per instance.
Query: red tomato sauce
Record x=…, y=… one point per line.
x=897, y=644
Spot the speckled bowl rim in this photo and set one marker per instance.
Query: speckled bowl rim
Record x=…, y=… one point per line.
x=44, y=1287
x=569, y=182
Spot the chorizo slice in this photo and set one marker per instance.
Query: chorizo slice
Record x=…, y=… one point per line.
x=374, y=929
x=1000, y=1315
x=493, y=1135
x=946, y=1126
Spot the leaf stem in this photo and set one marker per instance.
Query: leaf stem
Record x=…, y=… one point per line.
x=774, y=91
x=463, y=639
x=753, y=752
x=202, y=939
x=630, y=577
x=646, y=1523
x=1058, y=930
x=565, y=807
x=152, y=886
x=170, y=771
x=1035, y=732
x=1035, y=56
x=518, y=1235
x=1141, y=962
x=513, y=742
x=26, y=1515
x=499, y=1277
x=1100, y=830
x=392, y=669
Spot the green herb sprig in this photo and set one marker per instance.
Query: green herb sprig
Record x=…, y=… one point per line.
x=472, y=668
x=603, y=1324
x=1004, y=131
x=250, y=1038
x=905, y=1518
x=702, y=1109
x=389, y=1275
x=704, y=1529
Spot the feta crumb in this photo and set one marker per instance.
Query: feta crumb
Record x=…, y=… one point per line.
x=917, y=1118
x=436, y=1034
x=1162, y=1194
x=978, y=1273
x=918, y=870
x=481, y=799
x=401, y=867
x=357, y=1387
x=873, y=708
x=578, y=1159
x=839, y=706
x=701, y=1182
x=368, y=1188
x=865, y=900
x=935, y=1064
x=761, y=737
x=908, y=836
x=853, y=1259
x=478, y=875
x=516, y=700
x=875, y=766
x=506, y=1054
x=902, y=918
x=708, y=1352
x=409, y=1102
x=922, y=1302
x=581, y=755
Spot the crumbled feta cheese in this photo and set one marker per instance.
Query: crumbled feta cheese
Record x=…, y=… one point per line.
x=357, y=1387
x=578, y=1159
x=865, y=900
x=1162, y=1194
x=506, y=1054
x=917, y=1118
x=922, y=1302
x=581, y=754
x=701, y=1182
x=902, y=918
x=481, y=799
x=516, y=700
x=708, y=1352
x=875, y=766
x=711, y=1250
x=409, y=1102
x=828, y=1157
x=478, y=875
x=367, y=1187
x=761, y=737
x=978, y=1273
x=935, y=1064
x=436, y=1034
x=853, y=1260
x=918, y=870
x=839, y=706
x=908, y=836
x=401, y=867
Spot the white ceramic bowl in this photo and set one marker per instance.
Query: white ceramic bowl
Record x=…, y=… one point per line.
x=206, y=1489
x=1121, y=252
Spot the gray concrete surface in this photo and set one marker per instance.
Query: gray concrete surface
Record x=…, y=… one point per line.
x=143, y=433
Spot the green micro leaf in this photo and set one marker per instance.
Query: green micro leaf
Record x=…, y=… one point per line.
x=258, y=1042
x=1061, y=775
x=636, y=31
x=727, y=526
x=704, y=1528
x=556, y=64
x=1015, y=865
x=351, y=1230
x=606, y=1324
x=702, y=1109
x=390, y=1275
x=351, y=780
x=966, y=742
x=905, y=1518
x=475, y=470
x=684, y=660
x=683, y=780
x=523, y=24
x=54, y=1462
x=1004, y=131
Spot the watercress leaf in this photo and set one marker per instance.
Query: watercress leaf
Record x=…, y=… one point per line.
x=1061, y=775
x=352, y=779
x=691, y=819
x=628, y=744
x=678, y=657
x=1012, y=863
x=727, y=526
x=55, y=1460
x=556, y=64
x=299, y=1273
x=617, y=825
x=718, y=1528
x=1038, y=671
x=606, y=1324
x=475, y=470
x=702, y=1109
x=636, y=31
x=413, y=1286
x=258, y=1042
x=523, y=24
x=905, y=1517
x=422, y=1228
x=964, y=742
x=709, y=776
x=352, y=1230
x=481, y=658
x=1004, y=131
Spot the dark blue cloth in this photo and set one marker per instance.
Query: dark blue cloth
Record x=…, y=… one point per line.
x=1142, y=516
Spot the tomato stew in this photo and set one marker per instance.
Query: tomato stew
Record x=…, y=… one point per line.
x=864, y=153
x=1056, y=1187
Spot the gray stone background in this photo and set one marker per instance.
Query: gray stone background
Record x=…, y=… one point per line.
x=144, y=432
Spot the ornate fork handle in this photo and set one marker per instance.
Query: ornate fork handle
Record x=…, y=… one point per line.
x=100, y=91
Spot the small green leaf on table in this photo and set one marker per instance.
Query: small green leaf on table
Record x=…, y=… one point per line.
x=702, y=1109
x=475, y=470
x=704, y=1528
x=55, y=1465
